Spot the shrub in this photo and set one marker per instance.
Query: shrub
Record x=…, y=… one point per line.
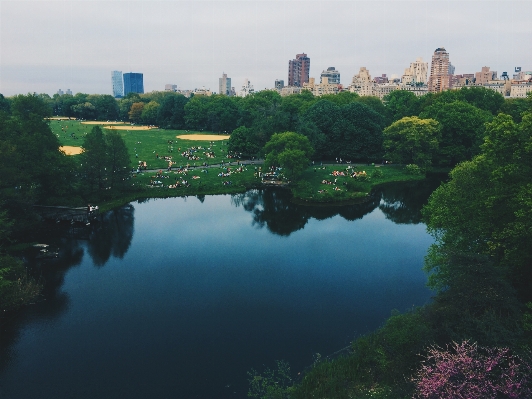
x=413, y=169
x=377, y=173
x=468, y=371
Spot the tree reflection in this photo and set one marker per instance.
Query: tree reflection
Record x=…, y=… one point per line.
x=274, y=209
x=113, y=236
x=402, y=202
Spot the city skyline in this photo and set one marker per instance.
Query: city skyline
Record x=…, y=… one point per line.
x=185, y=43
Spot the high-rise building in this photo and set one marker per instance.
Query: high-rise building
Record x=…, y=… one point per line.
x=298, y=70
x=118, y=84
x=332, y=75
x=224, y=84
x=247, y=89
x=485, y=75
x=439, y=71
x=60, y=92
x=133, y=83
x=279, y=84
x=68, y=91
x=170, y=87
x=417, y=73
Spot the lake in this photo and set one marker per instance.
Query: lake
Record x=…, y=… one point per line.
x=181, y=297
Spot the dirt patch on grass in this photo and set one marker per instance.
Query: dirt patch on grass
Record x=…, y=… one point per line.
x=71, y=150
x=203, y=137
x=101, y=123
x=126, y=127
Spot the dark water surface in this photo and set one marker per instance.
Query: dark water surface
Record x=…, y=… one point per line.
x=179, y=298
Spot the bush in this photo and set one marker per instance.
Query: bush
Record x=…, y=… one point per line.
x=468, y=371
x=413, y=169
x=377, y=173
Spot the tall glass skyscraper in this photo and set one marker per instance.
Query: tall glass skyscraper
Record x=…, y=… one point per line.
x=133, y=83
x=118, y=84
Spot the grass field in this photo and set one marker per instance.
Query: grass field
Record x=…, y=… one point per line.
x=153, y=145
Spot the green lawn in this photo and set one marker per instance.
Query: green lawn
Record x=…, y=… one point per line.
x=145, y=145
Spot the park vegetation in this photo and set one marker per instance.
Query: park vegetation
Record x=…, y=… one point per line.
x=480, y=264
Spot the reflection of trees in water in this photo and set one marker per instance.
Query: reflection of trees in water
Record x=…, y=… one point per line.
x=275, y=210
x=52, y=303
x=402, y=202
x=113, y=236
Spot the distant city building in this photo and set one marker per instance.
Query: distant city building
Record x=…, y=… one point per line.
x=381, y=79
x=247, y=89
x=224, y=84
x=332, y=75
x=118, y=84
x=202, y=92
x=362, y=83
x=451, y=69
x=288, y=90
x=170, y=87
x=279, y=84
x=133, y=83
x=520, y=89
x=485, y=75
x=439, y=71
x=298, y=70
x=60, y=92
x=522, y=75
x=417, y=73
x=323, y=88
x=68, y=91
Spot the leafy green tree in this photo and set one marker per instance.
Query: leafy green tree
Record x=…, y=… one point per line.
x=401, y=103
x=94, y=160
x=375, y=104
x=84, y=111
x=291, y=151
x=462, y=130
x=222, y=114
x=352, y=131
x=196, y=112
x=119, y=162
x=149, y=113
x=486, y=207
x=135, y=113
x=411, y=140
x=483, y=98
x=243, y=141
x=106, y=107
x=515, y=107
x=171, y=113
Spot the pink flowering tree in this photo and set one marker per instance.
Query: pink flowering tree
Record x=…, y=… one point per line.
x=467, y=371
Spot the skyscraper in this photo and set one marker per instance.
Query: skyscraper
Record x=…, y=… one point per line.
x=133, y=83
x=332, y=75
x=118, y=84
x=439, y=71
x=225, y=85
x=417, y=73
x=298, y=70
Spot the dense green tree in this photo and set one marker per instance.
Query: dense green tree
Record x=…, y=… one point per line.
x=411, y=140
x=94, y=160
x=515, y=107
x=85, y=111
x=243, y=141
x=171, y=113
x=135, y=112
x=486, y=207
x=5, y=105
x=149, y=113
x=118, y=160
x=222, y=114
x=401, y=103
x=376, y=105
x=106, y=107
x=196, y=112
x=291, y=151
x=342, y=98
x=462, y=130
x=352, y=131
x=483, y=98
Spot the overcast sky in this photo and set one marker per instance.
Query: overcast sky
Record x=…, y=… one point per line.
x=51, y=45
